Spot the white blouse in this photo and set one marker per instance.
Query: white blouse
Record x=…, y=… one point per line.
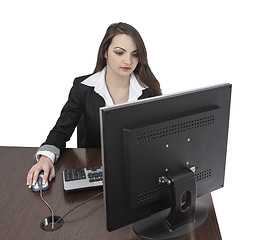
x=98, y=81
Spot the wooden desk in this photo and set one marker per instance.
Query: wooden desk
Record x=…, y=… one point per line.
x=22, y=210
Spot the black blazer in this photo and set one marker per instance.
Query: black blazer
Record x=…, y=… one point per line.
x=82, y=109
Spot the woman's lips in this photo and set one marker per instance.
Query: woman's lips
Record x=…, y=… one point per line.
x=125, y=68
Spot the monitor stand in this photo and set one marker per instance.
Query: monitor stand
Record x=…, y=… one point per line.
x=186, y=214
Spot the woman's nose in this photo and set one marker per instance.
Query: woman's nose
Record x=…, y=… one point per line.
x=127, y=59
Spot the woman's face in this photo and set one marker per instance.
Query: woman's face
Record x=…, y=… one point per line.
x=122, y=56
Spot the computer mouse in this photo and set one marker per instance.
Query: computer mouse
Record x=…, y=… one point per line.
x=39, y=186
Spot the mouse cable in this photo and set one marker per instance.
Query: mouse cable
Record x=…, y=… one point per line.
x=91, y=198
x=52, y=212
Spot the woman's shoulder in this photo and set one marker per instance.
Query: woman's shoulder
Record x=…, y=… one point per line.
x=79, y=83
x=81, y=89
x=81, y=78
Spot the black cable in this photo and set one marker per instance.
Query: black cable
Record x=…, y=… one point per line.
x=47, y=204
x=78, y=206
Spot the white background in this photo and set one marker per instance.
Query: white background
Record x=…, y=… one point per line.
x=190, y=44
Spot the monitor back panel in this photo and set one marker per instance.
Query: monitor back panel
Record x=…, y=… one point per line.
x=127, y=126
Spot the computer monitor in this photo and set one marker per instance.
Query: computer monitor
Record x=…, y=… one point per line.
x=159, y=155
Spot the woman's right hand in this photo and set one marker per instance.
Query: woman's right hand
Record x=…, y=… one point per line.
x=44, y=164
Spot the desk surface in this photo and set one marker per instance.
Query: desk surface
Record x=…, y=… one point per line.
x=22, y=210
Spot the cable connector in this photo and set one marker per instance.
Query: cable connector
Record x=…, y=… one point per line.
x=164, y=179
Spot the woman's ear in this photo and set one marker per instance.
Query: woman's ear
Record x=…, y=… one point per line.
x=106, y=54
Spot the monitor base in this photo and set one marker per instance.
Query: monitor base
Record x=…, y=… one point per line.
x=155, y=227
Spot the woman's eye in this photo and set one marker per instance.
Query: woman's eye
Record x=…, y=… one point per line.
x=135, y=55
x=118, y=53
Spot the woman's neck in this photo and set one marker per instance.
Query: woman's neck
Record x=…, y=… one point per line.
x=118, y=87
x=116, y=81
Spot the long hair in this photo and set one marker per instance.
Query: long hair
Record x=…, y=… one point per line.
x=142, y=70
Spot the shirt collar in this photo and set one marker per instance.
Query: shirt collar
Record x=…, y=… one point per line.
x=97, y=81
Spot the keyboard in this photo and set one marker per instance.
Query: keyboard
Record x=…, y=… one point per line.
x=82, y=178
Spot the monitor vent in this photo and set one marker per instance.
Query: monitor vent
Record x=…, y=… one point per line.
x=203, y=175
x=176, y=128
x=154, y=194
x=164, y=190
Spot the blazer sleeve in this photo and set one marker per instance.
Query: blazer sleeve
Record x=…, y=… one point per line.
x=68, y=120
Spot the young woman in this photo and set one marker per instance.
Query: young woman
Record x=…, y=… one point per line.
x=121, y=75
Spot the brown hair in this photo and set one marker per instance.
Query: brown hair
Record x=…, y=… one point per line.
x=142, y=71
